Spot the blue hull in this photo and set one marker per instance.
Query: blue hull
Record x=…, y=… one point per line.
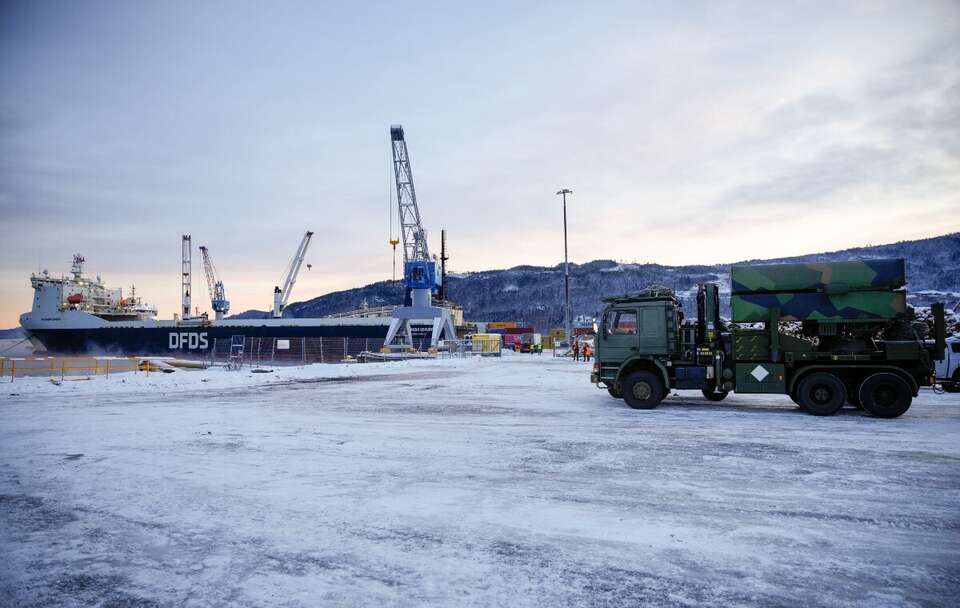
x=187, y=340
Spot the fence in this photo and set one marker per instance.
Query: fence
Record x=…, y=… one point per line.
x=54, y=367
x=292, y=351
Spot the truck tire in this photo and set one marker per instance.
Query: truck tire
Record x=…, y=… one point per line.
x=643, y=390
x=885, y=395
x=714, y=395
x=821, y=394
x=616, y=391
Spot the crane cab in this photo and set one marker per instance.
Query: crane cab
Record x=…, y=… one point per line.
x=421, y=274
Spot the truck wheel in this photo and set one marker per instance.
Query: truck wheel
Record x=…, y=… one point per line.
x=714, y=395
x=885, y=395
x=821, y=394
x=616, y=391
x=643, y=390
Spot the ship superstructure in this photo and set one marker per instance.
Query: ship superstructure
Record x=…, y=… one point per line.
x=55, y=295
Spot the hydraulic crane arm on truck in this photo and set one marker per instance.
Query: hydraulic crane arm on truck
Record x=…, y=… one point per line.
x=855, y=343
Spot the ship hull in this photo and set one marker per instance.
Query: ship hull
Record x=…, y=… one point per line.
x=177, y=339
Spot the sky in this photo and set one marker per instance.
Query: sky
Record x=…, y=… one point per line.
x=689, y=133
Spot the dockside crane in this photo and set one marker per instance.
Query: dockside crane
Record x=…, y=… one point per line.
x=419, y=269
x=282, y=295
x=218, y=299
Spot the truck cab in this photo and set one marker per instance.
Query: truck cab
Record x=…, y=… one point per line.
x=644, y=346
x=531, y=343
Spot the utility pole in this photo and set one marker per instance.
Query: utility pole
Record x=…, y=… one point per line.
x=566, y=269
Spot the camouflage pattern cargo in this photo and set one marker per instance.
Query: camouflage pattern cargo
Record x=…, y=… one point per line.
x=835, y=291
x=829, y=277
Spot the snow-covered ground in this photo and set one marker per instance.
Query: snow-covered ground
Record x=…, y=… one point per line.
x=508, y=482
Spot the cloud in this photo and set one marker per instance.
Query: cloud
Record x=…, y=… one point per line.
x=122, y=127
x=898, y=129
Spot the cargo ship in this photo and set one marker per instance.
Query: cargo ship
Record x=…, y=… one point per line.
x=76, y=314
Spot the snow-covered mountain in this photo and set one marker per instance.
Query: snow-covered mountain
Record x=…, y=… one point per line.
x=535, y=293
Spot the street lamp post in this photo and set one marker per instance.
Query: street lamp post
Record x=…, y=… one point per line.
x=566, y=269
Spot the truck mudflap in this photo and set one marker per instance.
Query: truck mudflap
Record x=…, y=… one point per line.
x=595, y=376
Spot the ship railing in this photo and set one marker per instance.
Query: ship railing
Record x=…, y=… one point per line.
x=380, y=311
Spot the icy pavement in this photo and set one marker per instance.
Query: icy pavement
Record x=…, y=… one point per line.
x=508, y=482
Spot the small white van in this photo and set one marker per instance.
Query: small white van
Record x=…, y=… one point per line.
x=948, y=368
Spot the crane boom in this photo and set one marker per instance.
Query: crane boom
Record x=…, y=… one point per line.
x=218, y=299
x=282, y=295
x=208, y=271
x=411, y=228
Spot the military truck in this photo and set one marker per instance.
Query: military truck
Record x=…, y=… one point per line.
x=824, y=334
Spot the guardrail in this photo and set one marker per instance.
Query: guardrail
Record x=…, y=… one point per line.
x=53, y=367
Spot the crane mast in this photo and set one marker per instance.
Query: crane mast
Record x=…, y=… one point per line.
x=218, y=299
x=282, y=295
